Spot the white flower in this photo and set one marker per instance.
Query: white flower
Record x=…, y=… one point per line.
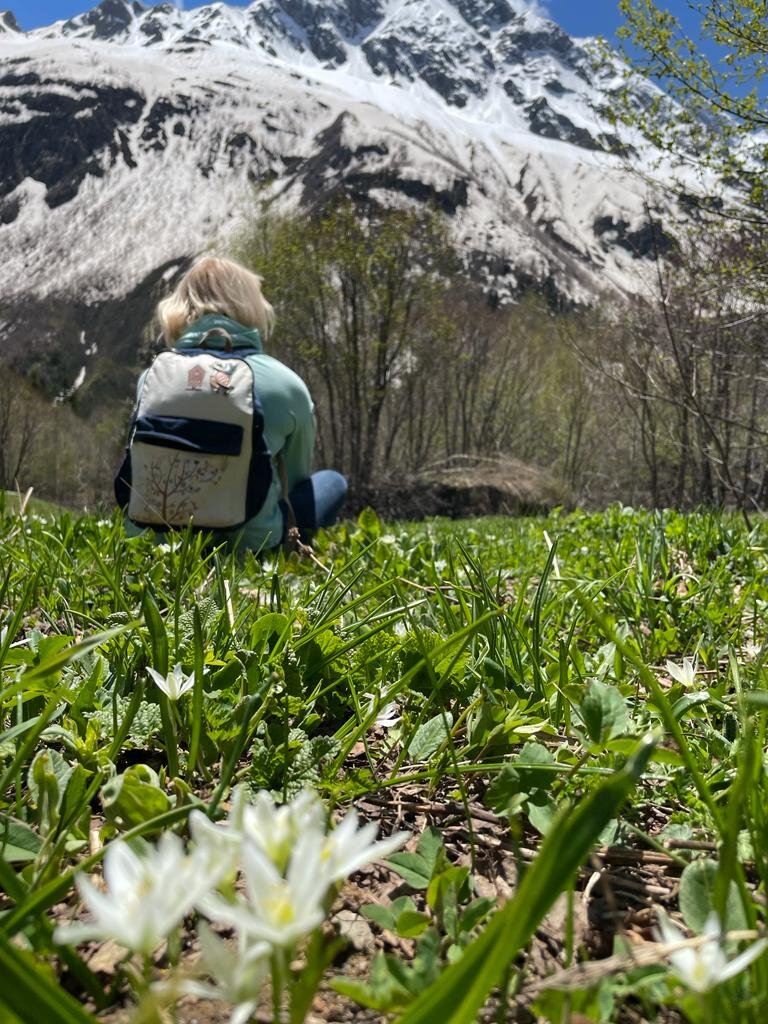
x=17, y=643
x=275, y=909
x=752, y=650
x=387, y=718
x=239, y=972
x=684, y=674
x=276, y=830
x=175, y=684
x=168, y=546
x=147, y=895
x=705, y=966
x=217, y=844
x=272, y=829
x=349, y=848
x=289, y=862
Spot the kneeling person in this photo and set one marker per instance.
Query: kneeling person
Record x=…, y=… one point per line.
x=222, y=434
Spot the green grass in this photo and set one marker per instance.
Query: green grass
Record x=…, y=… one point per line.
x=526, y=663
x=12, y=501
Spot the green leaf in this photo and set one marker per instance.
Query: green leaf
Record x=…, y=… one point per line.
x=462, y=989
x=18, y=842
x=384, y=992
x=697, y=889
x=417, y=868
x=688, y=701
x=475, y=912
x=47, y=778
x=429, y=737
x=412, y=923
x=603, y=712
x=75, y=799
x=386, y=917
x=541, y=816
x=522, y=778
x=446, y=884
x=267, y=626
x=34, y=677
x=158, y=636
x=369, y=522
x=134, y=797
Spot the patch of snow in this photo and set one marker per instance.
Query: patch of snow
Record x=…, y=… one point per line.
x=67, y=393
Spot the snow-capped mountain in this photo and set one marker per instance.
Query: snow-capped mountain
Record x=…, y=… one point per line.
x=131, y=138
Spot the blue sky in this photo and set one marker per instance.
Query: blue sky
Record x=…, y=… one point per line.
x=580, y=17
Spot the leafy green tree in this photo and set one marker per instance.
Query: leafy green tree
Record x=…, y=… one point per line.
x=710, y=109
x=360, y=301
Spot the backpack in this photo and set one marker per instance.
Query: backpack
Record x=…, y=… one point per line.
x=196, y=452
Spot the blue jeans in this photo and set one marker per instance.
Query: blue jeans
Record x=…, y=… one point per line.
x=316, y=500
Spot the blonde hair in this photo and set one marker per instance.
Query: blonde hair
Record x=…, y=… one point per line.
x=215, y=285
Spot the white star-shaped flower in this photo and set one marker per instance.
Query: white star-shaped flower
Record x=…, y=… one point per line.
x=147, y=894
x=684, y=674
x=705, y=966
x=175, y=684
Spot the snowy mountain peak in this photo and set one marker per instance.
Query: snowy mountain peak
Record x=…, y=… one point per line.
x=393, y=36
x=8, y=22
x=110, y=20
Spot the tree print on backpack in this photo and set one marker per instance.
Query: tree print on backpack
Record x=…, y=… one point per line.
x=173, y=481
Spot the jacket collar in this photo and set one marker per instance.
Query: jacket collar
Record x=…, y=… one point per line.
x=242, y=337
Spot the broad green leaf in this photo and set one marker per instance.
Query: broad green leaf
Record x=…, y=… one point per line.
x=541, y=816
x=697, y=889
x=384, y=992
x=418, y=868
x=369, y=522
x=412, y=923
x=18, y=842
x=522, y=777
x=48, y=776
x=429, y=737
x=265, y=627
x=475, y=912
x=688, y=701
x=387, y=916
x=50, y=666
x=134, y=797
x=603, y=712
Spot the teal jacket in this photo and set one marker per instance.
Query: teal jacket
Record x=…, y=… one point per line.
x=289, y=421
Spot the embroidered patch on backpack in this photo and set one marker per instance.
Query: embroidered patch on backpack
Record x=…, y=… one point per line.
x=221, y=379
x=195, y=378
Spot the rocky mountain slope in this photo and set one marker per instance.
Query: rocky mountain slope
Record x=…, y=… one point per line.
x=133, y=137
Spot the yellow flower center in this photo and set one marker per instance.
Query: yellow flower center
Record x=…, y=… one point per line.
x=281, y=910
